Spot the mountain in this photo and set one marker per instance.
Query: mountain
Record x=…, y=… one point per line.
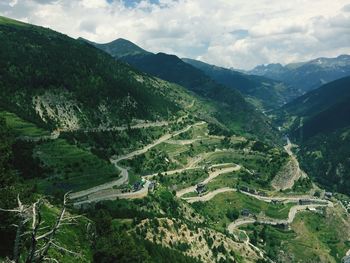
x=320, y=122
x=308, y=75
x=120, y=48
x=60, y=82
x=103, y=163
x=265, y=93
x=233, y=110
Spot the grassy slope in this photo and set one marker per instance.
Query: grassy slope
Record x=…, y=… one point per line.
x=229, y=106
x=313, y=237
x=67, y=167
x=86, y=76
x=217, y=208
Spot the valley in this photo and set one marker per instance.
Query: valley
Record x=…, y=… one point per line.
x=118, y=154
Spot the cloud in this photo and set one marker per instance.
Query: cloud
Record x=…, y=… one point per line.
x=346, y=8
x=238, y=33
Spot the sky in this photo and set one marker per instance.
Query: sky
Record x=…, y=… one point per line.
x=229, y=33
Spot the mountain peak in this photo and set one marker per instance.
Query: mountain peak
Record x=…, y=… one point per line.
x=119, y=47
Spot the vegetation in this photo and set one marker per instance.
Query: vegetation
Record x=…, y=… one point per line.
x=223, y=207
x=266, y=93
x=313, y=236
x=228, y=105
x=321, y=127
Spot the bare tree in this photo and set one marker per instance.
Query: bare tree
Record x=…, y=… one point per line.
x=41, y=238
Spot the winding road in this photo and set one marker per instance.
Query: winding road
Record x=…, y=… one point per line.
x=270, y=221
x=211, y=176
x=106, y=191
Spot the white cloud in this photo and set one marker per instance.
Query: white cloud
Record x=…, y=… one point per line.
x=236, y=33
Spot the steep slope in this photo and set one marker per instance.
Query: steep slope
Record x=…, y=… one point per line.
x=320, y=122
x=59, y=82
x=232, y=109
x=263, y=92
x=308, y=75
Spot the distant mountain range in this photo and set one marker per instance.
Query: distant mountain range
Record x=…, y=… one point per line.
x=320, y=122
x=308, y=75
x=263, y=92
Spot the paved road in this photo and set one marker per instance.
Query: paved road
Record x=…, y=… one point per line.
x=124, y=172
x=113, y=194
x=211, y=176
x=208, y=196
x=270, y=221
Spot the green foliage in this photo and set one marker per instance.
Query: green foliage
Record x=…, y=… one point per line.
x=108, y=143
x=229, y=106
x=10, y=187
x=267, y=93
x=28, y=64
x=153, y=161
x=223, y=207
x=74, y=168
x=325, y=158
x=184, y=179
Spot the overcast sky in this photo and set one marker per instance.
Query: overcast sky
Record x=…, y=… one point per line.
x=230, y=33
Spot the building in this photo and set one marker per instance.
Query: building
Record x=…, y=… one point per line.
x=137, y=186
x=328, y=194
x=261, y=193
x=346, y=259
x=151, y=186
x=200, y=188
x=305, y=202
x=244, y=188
x=245, y=212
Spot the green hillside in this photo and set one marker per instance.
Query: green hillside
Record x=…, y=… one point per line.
x=230, y=106
x=319, y=121
x=59, y=82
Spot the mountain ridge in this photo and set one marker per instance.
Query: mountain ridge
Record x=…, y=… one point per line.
x=230, y=101
x=307, y=75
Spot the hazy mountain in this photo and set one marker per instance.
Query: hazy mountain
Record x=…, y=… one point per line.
x=308, y=75
x=261, y=91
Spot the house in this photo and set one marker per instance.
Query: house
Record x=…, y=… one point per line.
x=137, y=186
x=151, y=186
x=283, y=226
x=276, y=202
x=245, y=212
x=304, y=202
x=200, y=188
x=261, y=193
x=253, y=191
x=328, y=194
x=244, y=188
x=346, y=259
